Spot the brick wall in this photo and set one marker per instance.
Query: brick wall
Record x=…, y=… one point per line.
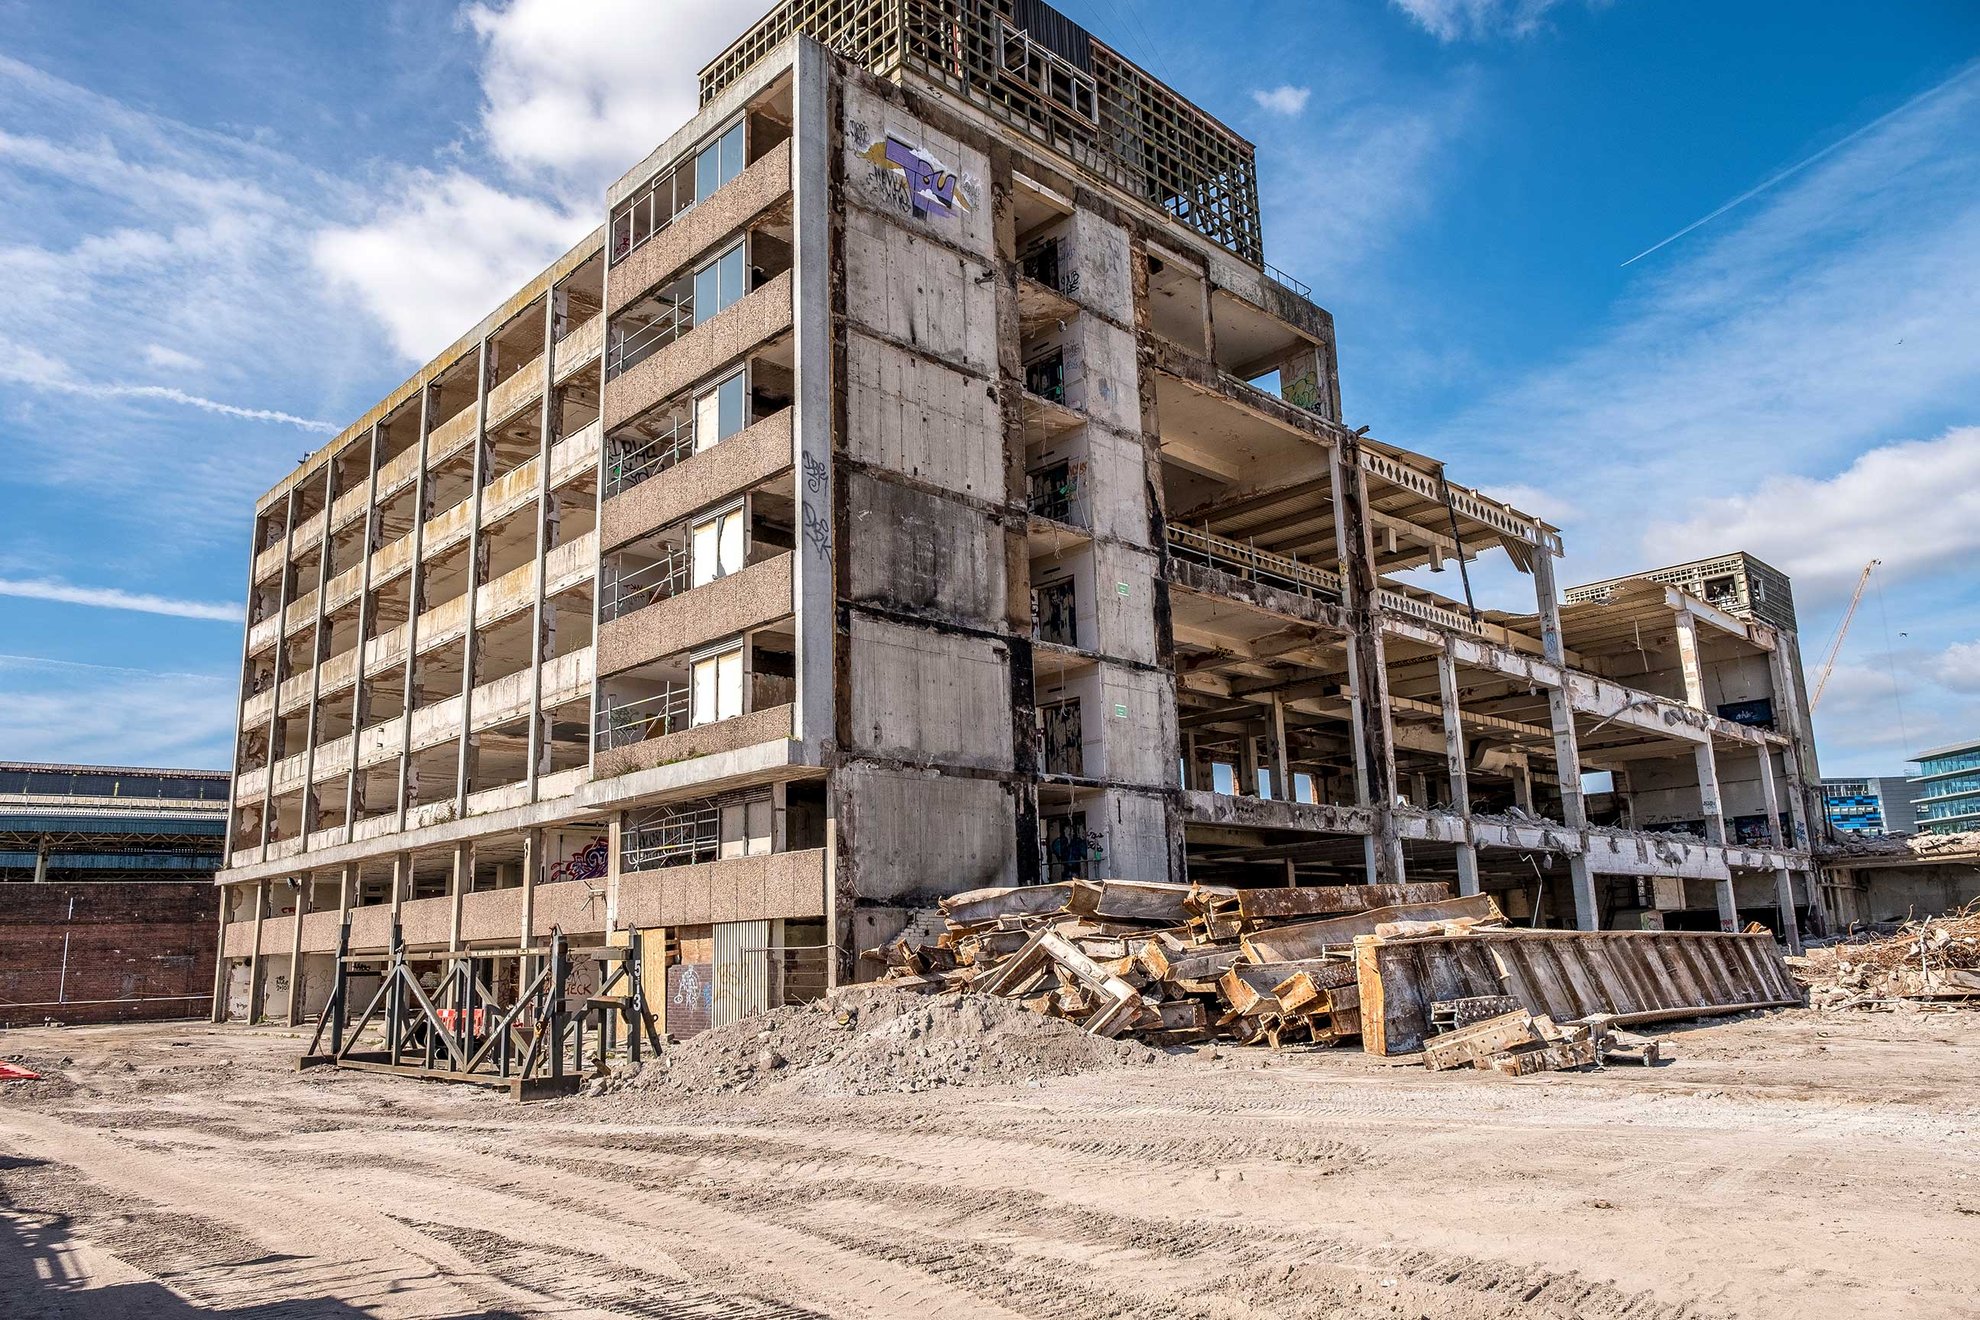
x=146, y=945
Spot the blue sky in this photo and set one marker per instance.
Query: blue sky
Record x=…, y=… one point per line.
x=226, y=229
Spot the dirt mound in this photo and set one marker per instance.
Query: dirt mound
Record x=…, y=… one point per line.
x=869, y=1039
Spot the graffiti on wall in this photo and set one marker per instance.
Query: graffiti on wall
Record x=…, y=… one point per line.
x=589, y=864
x=917, y=181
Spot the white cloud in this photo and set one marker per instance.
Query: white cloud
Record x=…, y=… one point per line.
x=46, y=380
x=1958, y=667
x=170, y=359
x=110, y=598
x=1914, y=505
x=1477, y=20
x=448, y=249
x=1284, y=100
x=62, y=711
x=574, y=94
x=583, y=90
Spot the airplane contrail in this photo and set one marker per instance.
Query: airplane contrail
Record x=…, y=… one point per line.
x=1803, y=164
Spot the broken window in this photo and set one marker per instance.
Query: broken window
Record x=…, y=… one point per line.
x=718, y=412
x=1052, y=606
x=1067, y=847
x=1064, y=750
x=719, y=543
x=717, y=683
x=1046, y=376
x=1053, y=491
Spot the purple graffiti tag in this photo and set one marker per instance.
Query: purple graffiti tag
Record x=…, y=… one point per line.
x=931, y=184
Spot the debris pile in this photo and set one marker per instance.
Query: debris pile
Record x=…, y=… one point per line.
x=1922, y=847
x=866, y=1039
x=1937, y=959
x=1174, y=964
x=1514, y=1042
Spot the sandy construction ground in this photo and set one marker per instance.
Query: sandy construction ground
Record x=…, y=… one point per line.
x=1789, y=1165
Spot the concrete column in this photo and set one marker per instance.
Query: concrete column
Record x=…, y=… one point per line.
x=415, y=602
x=812, y=141
x=41, y=861
x=458, y=885
x=532, y=863
x=465, y=768
x=367, y=621
x=614, y=834
x=277, y=669
x=1768, y=796
x=1728, y=908
x=1784, y=905
x=310, y=811
x=1281, y=769
x=1247, y=785
x=1460, y=777
x=538, y=745
x=216, y=1008
x=401, y=881
x=1522, y=783
x=294, y=1006
x=254, y=956
x=1567, y=749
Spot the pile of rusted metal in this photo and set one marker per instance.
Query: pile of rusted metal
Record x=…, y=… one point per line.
x=1174, y=964
x=1398, y=966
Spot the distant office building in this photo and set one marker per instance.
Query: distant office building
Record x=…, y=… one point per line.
x=1947, y=786
x=1880, y=804
x=106, y=906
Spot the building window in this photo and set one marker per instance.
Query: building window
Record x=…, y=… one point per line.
x=719, y=284
x=718, y=412
x=676, y=191
x=746, y=828
x=718, y=543
x=1053, y=607
x=717, y=681
x=718, y=162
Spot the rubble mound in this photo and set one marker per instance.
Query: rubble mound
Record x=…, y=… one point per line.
x=868, y=1039
x=1934, y=960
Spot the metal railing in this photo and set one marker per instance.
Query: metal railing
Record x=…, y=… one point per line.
x=664, y=578
x=1240, y=559
x=1061, y=502
x=650, y=717
x=1279, y=277
x=632, y=463
x=674, y=318
x=683, y=838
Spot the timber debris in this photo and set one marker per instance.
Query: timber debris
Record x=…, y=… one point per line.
x=1935, y=960
x=1408, y=970
x=1173, y=964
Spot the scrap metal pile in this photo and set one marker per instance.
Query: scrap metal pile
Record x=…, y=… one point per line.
x=1937, y=959
x=1175, y=964
x=1402, y=967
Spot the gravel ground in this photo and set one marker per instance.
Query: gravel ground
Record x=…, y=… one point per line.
x=1794, y=1164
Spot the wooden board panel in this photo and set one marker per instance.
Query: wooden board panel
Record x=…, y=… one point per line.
x=1638, y=976
x=1309, y=939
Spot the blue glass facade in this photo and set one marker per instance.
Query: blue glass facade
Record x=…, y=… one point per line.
x=1948, y=789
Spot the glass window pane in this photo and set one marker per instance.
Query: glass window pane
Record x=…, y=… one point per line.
x=707, y=288
x=707, y=563
x=730, y=702
x=707, y=171
x=732, y=152
x=758, y=832
x=705, y=691
x=732, y=542
x=731, y=391
x=707, y=420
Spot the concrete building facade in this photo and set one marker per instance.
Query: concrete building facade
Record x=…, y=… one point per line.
x=917, y=483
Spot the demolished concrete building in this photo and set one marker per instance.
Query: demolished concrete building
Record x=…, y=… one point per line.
x=918, y=483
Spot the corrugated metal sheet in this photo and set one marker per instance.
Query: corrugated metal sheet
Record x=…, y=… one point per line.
x=742, y=971
x=1639, y=976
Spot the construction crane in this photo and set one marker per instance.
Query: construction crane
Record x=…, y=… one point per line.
x=1842, y=630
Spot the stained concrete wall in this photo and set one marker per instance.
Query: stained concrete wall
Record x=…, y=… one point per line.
x=914, y=551
x=919, y=695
